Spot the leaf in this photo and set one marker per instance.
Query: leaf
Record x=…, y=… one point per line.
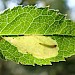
x=30, y=20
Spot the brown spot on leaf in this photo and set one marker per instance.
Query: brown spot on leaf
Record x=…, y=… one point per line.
x=50, y=46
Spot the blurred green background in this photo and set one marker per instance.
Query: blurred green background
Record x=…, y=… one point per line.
x=60, y=68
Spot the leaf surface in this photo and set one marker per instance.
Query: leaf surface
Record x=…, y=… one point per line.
x=30, y=20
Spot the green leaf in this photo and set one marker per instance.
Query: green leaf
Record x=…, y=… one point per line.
x=30, y=20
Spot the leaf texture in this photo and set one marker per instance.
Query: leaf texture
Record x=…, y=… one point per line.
x=30, y=20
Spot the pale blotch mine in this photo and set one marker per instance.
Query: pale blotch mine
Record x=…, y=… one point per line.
x=30, y=44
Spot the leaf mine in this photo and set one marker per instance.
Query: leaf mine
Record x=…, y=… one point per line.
x=41, y=47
